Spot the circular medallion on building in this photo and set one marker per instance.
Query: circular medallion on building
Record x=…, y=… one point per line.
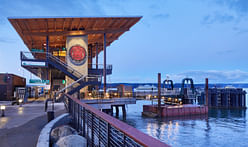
x=77, y=54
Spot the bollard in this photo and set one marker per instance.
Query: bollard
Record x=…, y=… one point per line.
x=2, y=107
x=50, y=116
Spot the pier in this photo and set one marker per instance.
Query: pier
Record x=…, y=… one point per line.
x=108, y=105
x=224, y=98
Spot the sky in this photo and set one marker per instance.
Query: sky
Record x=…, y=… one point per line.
x=177, y=38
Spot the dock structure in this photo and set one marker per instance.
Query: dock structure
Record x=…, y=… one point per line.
x=108, y=105
x=174, y=111
x=225, y=98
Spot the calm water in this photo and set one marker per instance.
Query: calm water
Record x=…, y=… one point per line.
x=219, y=128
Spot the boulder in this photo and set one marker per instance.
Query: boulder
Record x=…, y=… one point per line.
x=62, y=131
x=71, y=141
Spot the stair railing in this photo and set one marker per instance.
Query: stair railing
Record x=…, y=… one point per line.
x=72, y=70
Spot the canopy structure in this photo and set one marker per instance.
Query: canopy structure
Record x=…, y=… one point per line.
x=34, y=31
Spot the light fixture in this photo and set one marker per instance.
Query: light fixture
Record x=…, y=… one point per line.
x=3, y=107
x=20, y=102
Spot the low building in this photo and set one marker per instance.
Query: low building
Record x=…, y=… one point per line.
x=8, y=84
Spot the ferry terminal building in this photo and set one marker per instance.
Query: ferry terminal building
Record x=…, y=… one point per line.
x=61, y=49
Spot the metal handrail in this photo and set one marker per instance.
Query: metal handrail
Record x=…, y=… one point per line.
x=101, y=129
x=56, y=59
x=65, y=65
x=69, y=86
x=101, y=66
x=75, y=82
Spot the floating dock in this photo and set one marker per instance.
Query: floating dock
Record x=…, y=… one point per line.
x=171, y=111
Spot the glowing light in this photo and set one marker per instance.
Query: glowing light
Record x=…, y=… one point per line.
x=2, y=107
x=20, y=110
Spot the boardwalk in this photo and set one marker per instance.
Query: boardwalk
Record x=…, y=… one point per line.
x=22, y=127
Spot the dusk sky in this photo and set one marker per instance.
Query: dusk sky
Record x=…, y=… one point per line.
x=179, y=38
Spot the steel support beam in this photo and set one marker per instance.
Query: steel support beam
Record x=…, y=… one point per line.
x=96, y=56
x=47, y=51
x=104, y=63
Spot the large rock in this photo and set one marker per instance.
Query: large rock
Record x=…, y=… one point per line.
x=71, y=141
x=61, y=131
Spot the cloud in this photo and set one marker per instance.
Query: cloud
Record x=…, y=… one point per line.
x=214, y=76
x=217, y=18
x=161, y=16
x=240, y=6
x=223, y=52
x=240, y=30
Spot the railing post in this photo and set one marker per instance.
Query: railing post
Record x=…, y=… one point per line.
x=92, y=132
x=108, y=132
x=78, y=115
x=124, y=139
x=83, y=122
x=87, y=132
x=69, y=105
x=99, y=134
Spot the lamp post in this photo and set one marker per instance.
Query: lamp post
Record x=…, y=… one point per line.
x=20, y=102
x=2, y=107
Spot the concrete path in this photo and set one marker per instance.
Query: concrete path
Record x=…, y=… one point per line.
x=22, y=125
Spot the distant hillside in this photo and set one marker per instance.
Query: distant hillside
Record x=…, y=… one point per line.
x=178, y=85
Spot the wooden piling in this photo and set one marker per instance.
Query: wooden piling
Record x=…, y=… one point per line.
x=206, y=90
x=117, y=111
x=159, y=94
x=124, y=113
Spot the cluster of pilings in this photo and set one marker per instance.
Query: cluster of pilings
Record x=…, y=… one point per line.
x=111, y=111
x=225, y=97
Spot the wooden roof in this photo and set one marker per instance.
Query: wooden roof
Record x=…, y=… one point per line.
x=33, y=31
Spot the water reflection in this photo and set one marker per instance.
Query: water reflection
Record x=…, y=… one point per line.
x=203, y=130
x=3, y=121
x=20, y=110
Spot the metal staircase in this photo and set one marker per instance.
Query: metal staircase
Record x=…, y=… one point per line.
x=49, y=59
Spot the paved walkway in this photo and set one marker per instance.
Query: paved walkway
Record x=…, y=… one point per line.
x=22, y=125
